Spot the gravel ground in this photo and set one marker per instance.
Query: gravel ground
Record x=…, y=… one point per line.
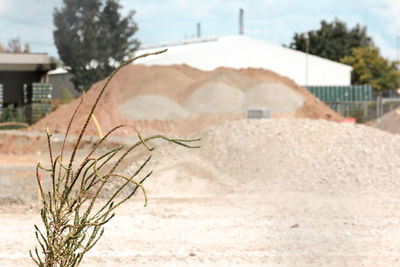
x=286, y=192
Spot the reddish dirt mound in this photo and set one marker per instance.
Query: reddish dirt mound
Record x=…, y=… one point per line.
x=176, y=82
x=129, y=82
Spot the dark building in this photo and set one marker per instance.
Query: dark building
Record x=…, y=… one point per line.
x=61, y=80
x=17, y=69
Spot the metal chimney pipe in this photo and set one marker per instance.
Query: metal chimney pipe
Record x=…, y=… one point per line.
x=198, y=30
x=241, y=22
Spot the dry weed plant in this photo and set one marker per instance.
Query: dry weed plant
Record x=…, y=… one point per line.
x=73, y=224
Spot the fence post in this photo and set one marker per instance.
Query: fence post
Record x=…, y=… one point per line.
x=379, y=107
x=365, y=109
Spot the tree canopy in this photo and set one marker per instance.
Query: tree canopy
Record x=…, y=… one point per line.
x=333, y=40
x=369, y=67
x=91, y=37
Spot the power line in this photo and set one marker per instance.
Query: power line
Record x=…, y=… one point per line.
x=26, y=22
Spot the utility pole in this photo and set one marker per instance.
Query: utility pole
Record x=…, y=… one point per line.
x=241, y=22
x=198, y=31
x=307, y=50
x=398, y=47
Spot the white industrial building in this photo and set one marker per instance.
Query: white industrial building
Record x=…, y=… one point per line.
x=240, y=51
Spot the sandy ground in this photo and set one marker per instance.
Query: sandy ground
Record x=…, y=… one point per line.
x=280, y=229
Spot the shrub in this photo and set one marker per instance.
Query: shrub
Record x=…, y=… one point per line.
x=11, y=114
x=73, y=223
x=358, y=114
x=12, y=118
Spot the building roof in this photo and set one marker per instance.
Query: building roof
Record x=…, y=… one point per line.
x=24, y=62
x=60, y=70
x=240, y=51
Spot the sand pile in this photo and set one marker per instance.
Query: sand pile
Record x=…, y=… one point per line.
x=208, y=98
x=259, y=156
x=232, y=78
x=389, y=122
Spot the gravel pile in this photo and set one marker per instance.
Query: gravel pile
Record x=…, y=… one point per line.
x=152, y=107
x=257, y=156
x=219, y=98
x=276, y=97
x=390, y=122
x=215, y=98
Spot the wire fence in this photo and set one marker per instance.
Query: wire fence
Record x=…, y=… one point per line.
x=366, y=111
x=358, y=101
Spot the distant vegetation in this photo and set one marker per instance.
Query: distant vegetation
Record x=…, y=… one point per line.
x=12, y=118
x=11, y=114
x=352, y=46
x=369, y=67
x=15, y=46
x=333, y=40
x=92, y=38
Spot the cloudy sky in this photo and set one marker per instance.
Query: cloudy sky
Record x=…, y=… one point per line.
x=163, y=21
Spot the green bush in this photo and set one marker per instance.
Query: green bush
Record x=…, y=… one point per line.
x=11, y=114
x=358, y=114
x=12, y=118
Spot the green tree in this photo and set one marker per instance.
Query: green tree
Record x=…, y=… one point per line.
x=369, y=67
x=333, y=40
x=91, y=37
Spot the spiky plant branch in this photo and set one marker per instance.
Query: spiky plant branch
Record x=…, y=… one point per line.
x=73, y=223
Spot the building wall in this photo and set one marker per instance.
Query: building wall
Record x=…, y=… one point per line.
x=61, y=81
x=13, y=82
